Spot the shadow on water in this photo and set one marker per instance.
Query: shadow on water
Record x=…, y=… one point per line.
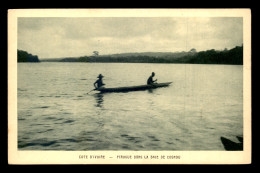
x=99, y=99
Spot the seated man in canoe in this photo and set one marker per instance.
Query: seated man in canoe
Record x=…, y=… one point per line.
x=99, y=83
x=150, y=80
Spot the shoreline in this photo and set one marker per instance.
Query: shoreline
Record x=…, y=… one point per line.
x=128, y=63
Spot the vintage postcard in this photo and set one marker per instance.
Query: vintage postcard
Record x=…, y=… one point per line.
x=129, y=86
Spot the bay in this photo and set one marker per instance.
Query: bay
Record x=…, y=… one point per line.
x=55, y=112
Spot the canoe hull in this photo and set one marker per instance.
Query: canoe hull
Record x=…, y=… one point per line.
x=232, y=146
x=134, y=88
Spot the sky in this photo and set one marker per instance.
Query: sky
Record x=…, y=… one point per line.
x=52, y=37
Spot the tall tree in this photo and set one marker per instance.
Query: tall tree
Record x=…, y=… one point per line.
x=95, y=53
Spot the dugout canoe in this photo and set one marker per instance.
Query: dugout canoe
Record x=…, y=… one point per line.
x=134, y=88
x=232, y=146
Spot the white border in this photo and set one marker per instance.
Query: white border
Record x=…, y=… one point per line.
x=73, y=157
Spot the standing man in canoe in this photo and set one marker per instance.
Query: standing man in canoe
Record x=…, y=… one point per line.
x=99, y=83
x=150, y=80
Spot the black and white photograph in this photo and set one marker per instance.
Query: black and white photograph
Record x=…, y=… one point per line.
x=142, y=88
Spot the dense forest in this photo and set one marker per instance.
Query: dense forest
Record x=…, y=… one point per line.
x=232, y=56
x=23, y=56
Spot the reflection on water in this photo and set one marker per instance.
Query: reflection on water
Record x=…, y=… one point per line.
x=150, y=90
x=99, y=99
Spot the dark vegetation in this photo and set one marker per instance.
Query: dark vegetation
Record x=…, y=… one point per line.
x=23, y=56
x=232, y=56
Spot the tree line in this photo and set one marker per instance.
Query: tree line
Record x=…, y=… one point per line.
x=23, y=56
x=232, y=56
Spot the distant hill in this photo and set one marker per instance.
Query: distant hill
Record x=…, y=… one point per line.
x=150, y=54
x=232, y=56
x=23, y=56
x=124, y=57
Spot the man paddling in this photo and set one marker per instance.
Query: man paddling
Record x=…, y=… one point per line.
x=150, y=80
x=99, y=83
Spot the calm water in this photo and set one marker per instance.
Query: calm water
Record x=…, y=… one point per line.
x=56, y=113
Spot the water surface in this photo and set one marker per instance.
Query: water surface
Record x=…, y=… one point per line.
x=56, y=113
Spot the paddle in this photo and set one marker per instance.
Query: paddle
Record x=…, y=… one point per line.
x=95, y=88
x=91, y=91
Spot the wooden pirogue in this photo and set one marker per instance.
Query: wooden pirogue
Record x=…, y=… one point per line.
x=134, y=88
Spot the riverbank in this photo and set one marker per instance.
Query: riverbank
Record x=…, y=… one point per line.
x=233, y=57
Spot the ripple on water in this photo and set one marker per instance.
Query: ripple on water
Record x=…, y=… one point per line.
x=20, y=119
x=69, y=121
x=66, y=113
x=153, y=138
x=42, y=107
x=131, y=138
x=52, y=118
x=46, y=131
x=59, y=121
x=68, y=140
x=39, y=142
x=20, y=89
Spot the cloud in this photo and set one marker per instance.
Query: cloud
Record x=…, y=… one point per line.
x=68, y=37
